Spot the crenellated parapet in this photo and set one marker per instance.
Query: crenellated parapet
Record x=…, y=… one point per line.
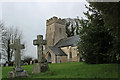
x=55, y=20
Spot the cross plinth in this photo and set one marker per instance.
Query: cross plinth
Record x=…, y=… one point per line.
x=39, y=42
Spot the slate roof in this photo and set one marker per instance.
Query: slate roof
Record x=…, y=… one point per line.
x=57, y=51
x=69, y=41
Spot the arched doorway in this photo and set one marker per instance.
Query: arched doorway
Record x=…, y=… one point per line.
x=49, y=57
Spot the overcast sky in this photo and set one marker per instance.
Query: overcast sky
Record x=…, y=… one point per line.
x=30, y=17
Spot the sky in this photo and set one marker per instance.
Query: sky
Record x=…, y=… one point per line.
x=30, y=17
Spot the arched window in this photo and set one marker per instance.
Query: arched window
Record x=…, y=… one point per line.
x=70, y=54
x=49, y=57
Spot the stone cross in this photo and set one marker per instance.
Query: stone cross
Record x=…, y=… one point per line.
x=39, y=42
x=17, y=47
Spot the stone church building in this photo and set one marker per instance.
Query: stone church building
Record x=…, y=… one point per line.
x=59, y=46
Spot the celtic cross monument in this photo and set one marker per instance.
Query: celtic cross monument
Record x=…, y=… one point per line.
x=18, y=71
x=42, y=65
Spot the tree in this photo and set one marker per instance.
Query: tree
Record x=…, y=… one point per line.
x=72, y=27
x=2, y=35
x=95, y=40
x=111, y=13
x=67, y=29
x=8, y=37
x=77, y=26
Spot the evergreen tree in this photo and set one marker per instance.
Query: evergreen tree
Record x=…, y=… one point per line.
x=111, y=13
x=95, y=40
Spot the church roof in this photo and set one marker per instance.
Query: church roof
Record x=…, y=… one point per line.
x=69, y=41
x=57, y=51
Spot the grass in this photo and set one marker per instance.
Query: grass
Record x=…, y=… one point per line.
x=72, y=70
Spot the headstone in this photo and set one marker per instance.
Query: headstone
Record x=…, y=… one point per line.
x=6, y=64
x=25, y=63
x=42, y=64
x=31, y=62
x=18, y=71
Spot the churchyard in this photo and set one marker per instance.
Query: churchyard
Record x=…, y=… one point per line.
x=55, y=70
x=41, y=69
x=71, y=70
x=90, y=52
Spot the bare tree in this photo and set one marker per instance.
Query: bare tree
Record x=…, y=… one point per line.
x=72, y=26
x=2, y=32
x=8, y=37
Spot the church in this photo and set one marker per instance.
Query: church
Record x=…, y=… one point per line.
x=59, y=47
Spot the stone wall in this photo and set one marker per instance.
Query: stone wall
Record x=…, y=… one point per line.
x=67, y=58
x=53, y=56
x=50, y=34
x=73, y=51
x=74, y=59
x=60, y=32
x=66, y=50
x=55, y=30
x=55, y=20
x=62, y=58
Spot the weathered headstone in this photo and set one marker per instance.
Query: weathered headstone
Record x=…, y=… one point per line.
x=6, y=64
x=31, y=62
x=42, y=64
x=18, y=71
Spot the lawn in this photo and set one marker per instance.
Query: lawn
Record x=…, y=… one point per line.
x=72, y=70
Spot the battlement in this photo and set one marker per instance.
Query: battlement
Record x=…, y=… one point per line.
x=55, y=20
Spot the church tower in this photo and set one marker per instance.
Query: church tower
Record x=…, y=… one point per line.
x=55, y=30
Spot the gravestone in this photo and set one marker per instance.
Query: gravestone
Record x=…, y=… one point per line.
x=42, y=64
x=18, y=71
x=6, y=64
x=31, y=62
